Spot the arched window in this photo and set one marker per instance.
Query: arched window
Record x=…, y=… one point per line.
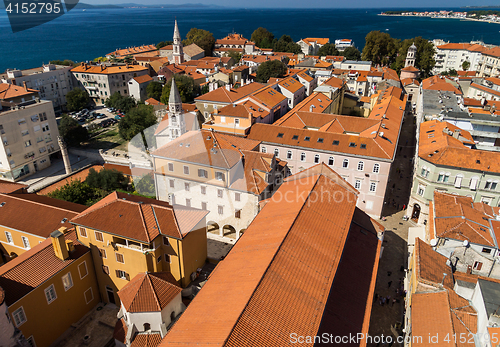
x=289, y=155
x=331, y=160
x=345, y=163
x=277, y=152
x=361, y=166
x=147, y=326
x=376, y=168
x=316, y=158
x=303, y=156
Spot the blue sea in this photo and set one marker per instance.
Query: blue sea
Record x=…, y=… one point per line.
x=84, y=35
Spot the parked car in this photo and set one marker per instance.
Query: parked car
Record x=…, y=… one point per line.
x=117, y=117
x=100, y=115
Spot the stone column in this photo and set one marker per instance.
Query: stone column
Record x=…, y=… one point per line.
x=65, y=156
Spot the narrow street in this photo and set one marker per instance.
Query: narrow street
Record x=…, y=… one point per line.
x=394, y=255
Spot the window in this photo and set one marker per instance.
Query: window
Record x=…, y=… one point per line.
x=237, y=122
x=320, y=140
x=363, y=146
x=105, y=269
x=188, y=202
x=170, y=166
x=316, y=158
x=27, y=143
x=203, y=190
x=8, y=236
x=19, y=316
x=202, y=173
x=158, y=259
x=373, y=186
x=486, y=250
x=478, y=265
x=31, y=341
x=352, y=144
x=421, y=190
x=119, y=258
x=424, y=170
x=67, y=281
x=263, y=149
x=26, y=242
x=220, y=193
x=446, y=177
x=280, y=135
x=186, y=170
x=458, y=181
x=223, y=119
x=277, y=152
x=473, y=183
x=335, y=142
x=345, y=163
x=289, y=154
x=25, y=132
x=361, y=166
x=204, y=206
x=357, y=184
x=237, y=214
x=82, y=270
x=21, y=121
x=237, y=196
x=98, y=236
x=295, y=137
x=102, y=253
x=171, y=183
x=440, y=177
x=376, y=168
x=50, y=294
x=219, y=176
x=186, y=187
x=167, y=258
x=331, y=160
x=220, y=209
x=307, y=138
x=303, y=156
x=89, y=295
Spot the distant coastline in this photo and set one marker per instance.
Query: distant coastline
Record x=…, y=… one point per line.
x=492, y=18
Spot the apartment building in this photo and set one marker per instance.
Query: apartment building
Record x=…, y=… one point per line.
x=452, y=55
x=50, y=287
x=275, y=246
x=28, y=130
x=489, y=64
x=485, y=89
x=311, y=45
x=137, y=87
x=53, y=81
x=361, y=150
x=446, y=161
x=233, y=42
x=102, y=81
x=129, y=235
x=219, y=173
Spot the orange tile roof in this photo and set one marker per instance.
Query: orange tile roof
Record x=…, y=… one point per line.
x=485, y=89
x=390, y=74
x=323, y=64
x=155, y=102
x=143, y=79
x=266, y=280
x=410, y=68
x=224, y=96
x=137, y=218
x=472, y=102
x=444, y=149
x=304, y=75
x=320, y=41
x=133, y=50
x=493, y=52
x=290, y=84
x=319, y=100
x=149, y=292
x=244, y=110
x=334, y=82
x=455, y=46
x=106, y=70
x=24, y=273
x=77, y=176
x=269, y=97
x=120, y=332
x=44, y=217
x=367, y=131
x=7, y=187
x=232, y=39
x=407, y=81
x=146, y=340
x=442, y=314
x=431, y=266
x=439, y=83
x=457, y=218
x=10, y=91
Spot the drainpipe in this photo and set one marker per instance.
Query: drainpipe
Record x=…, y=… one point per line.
x=179, y=257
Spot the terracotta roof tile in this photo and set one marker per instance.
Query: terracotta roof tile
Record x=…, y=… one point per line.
x=152, y=101
x=7, y=187
x=455, y=46
x=431, y=266
x=224, y=96
x=493, y=52
x=120, y=332
x=133, y=50
x=321, y=41
x=77, y=176
x=143, y=79
x=265, y=280
x=96, y=69
x=440, y=83
x=290, y=84
x=23, y=274
x=10, y=91
x=149, y=292
x=146, y=340
x=44, y=217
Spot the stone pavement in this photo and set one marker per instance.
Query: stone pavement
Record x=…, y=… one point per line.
x=394, y=255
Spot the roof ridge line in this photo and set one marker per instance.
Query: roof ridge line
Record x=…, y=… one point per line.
x=36, y=202
x=154, y=291
x=143, y=220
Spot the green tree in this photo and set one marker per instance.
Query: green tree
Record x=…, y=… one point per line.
x=77, y=99
x=65, y=62
x=72, y=132
x=450, y=72
x=145, y=185
x=100, y=59
x=163, y=44
x=380, y=48
x=108, y=180
x=136, y=120
x=188, y=90
x=79, y=193
x=328, y=49
x=270, y=68
x=424, y=59
x=351, y=53
x=262, y=38
x=286, y=44
x=120, y=102
x=153, y=90
x=202, y=38
x=234, y=54
x=465, y=65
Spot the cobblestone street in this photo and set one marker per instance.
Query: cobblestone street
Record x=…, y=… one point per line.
x=394, y=255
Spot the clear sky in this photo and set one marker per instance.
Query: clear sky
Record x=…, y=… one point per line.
x=313, y=3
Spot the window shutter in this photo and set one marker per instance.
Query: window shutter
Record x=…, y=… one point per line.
x=117, y=272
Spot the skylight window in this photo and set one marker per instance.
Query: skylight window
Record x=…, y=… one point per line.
x=352, y=144
x=363, y=145
x=307, y=138
x=336, y=142
x=320, y=140
x=280, y=135
x=295, y=137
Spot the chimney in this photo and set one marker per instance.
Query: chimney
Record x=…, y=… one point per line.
x=25, y=86
x=59, y=244
x=456, y=133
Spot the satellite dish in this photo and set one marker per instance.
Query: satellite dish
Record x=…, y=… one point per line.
x=466, y=243
x=434, y=242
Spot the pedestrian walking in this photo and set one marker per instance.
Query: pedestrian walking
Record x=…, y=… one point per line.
x=393, y=301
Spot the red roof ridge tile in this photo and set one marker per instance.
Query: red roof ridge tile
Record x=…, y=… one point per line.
x=35, y=202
